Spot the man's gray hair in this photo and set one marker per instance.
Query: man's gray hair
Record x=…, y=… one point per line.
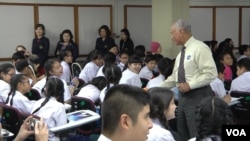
x=183, y=24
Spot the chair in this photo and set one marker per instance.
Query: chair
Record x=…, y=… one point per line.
x=144, y=82
x=33, y=95
x=241, y=110
x=12, y=119
x=76, y=69
x=80, y=103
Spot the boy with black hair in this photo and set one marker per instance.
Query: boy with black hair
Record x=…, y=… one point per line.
x=125, y=114
x=147, y=70
x=244, y=51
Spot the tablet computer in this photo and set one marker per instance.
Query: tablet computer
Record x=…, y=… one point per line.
x=77, y=119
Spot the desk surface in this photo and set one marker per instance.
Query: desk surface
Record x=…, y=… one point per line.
x=77, y=119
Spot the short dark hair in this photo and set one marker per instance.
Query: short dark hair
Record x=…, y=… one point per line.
x=113, y=75
x=134, y=59
x=106, y=28
x=245, y=62
x=150, y=57
x=109, y=58
x=70, y=34
x=64, y=53
x=100, y=82
x=210, y=115
x=243, y=48
x=165, y=66
x=140, y=50
x=17, y=56
x=122, y=99
x=42, y=26
x=220, y=67
x=160, y=101
x=21, y=65
x=5, y=68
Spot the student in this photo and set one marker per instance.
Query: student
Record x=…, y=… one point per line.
x=92, y=89
x=114, y=49
x=121, y=123
x=51, y=108
x=17, y=56
x=217, y=85
x=93, y=63
x=156, y=48
x=165, y=67
x=52, y=68
x=210, y=115
x=66, y=43
x=22, y=67
x=162, y=110
x=16, y=97
x=244, y=51
x=104, y=40
x=66, y=58
x=109, y=59
x=147, y=71
x=131, y=76
x=113, y=75
x=123, y=57
x=226, y=59
x=22, y=49
x=7, y=70
x=126, y=44
x=40, y=46
x=140, y=51
x=241, y=83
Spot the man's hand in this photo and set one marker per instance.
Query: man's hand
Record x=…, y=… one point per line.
x=184, y=87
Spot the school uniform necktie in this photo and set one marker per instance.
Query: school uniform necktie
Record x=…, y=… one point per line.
x=181, y=71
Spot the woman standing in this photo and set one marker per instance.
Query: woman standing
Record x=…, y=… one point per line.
x=126, y=44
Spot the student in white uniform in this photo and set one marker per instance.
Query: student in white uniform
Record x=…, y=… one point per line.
x=244, y=51
x=22, y=67
x=52, y=68
x=147, y=70
x=7, y=70
x=165, y=67
x=17, y=56
x=109, y=59
x=130, y=76
x=51, y=108
x=123, y=57
x=113, y=75
x=162, y=110
x=16, y=97
x=66, y=58
x=210, y=115
x=93, y=63
x=241, y=83
x=92, y=89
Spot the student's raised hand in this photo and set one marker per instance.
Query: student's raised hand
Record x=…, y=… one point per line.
x=24, y=131
x=41, y=131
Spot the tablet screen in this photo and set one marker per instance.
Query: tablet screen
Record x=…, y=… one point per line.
x=78, y=116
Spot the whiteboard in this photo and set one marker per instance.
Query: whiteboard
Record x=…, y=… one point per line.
x=17, y=28
x=139, y=24
x=245, y=26
x=227, y=24
x=90, y=19
x=201, y=20
x=55, y=20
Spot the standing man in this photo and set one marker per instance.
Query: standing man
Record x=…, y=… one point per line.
x=193, y=71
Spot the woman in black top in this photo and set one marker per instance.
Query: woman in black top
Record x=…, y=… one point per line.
x=66, y=43
x=104, y=40
x=126, y=44
x=40, y=46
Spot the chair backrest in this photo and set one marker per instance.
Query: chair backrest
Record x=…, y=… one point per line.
x=33, y=95
x=76, y=69
x=81, y=103
x=241, y=110
x=144, y=82
x=12, y=118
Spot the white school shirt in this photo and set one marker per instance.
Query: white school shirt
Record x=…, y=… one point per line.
x=40, y=85
x=66, y=72
x=89, y=72
x=146, y=73
x=53, y=113
x=103, y=138
x=100, y=73
x=4, y=90
x=159, y=133
x=103, y=93
x=155, y=82
x=130, y=78
x=241, y=83
x=121, y=66
x=22, y=103
x=89, y=91
x=218, y=87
